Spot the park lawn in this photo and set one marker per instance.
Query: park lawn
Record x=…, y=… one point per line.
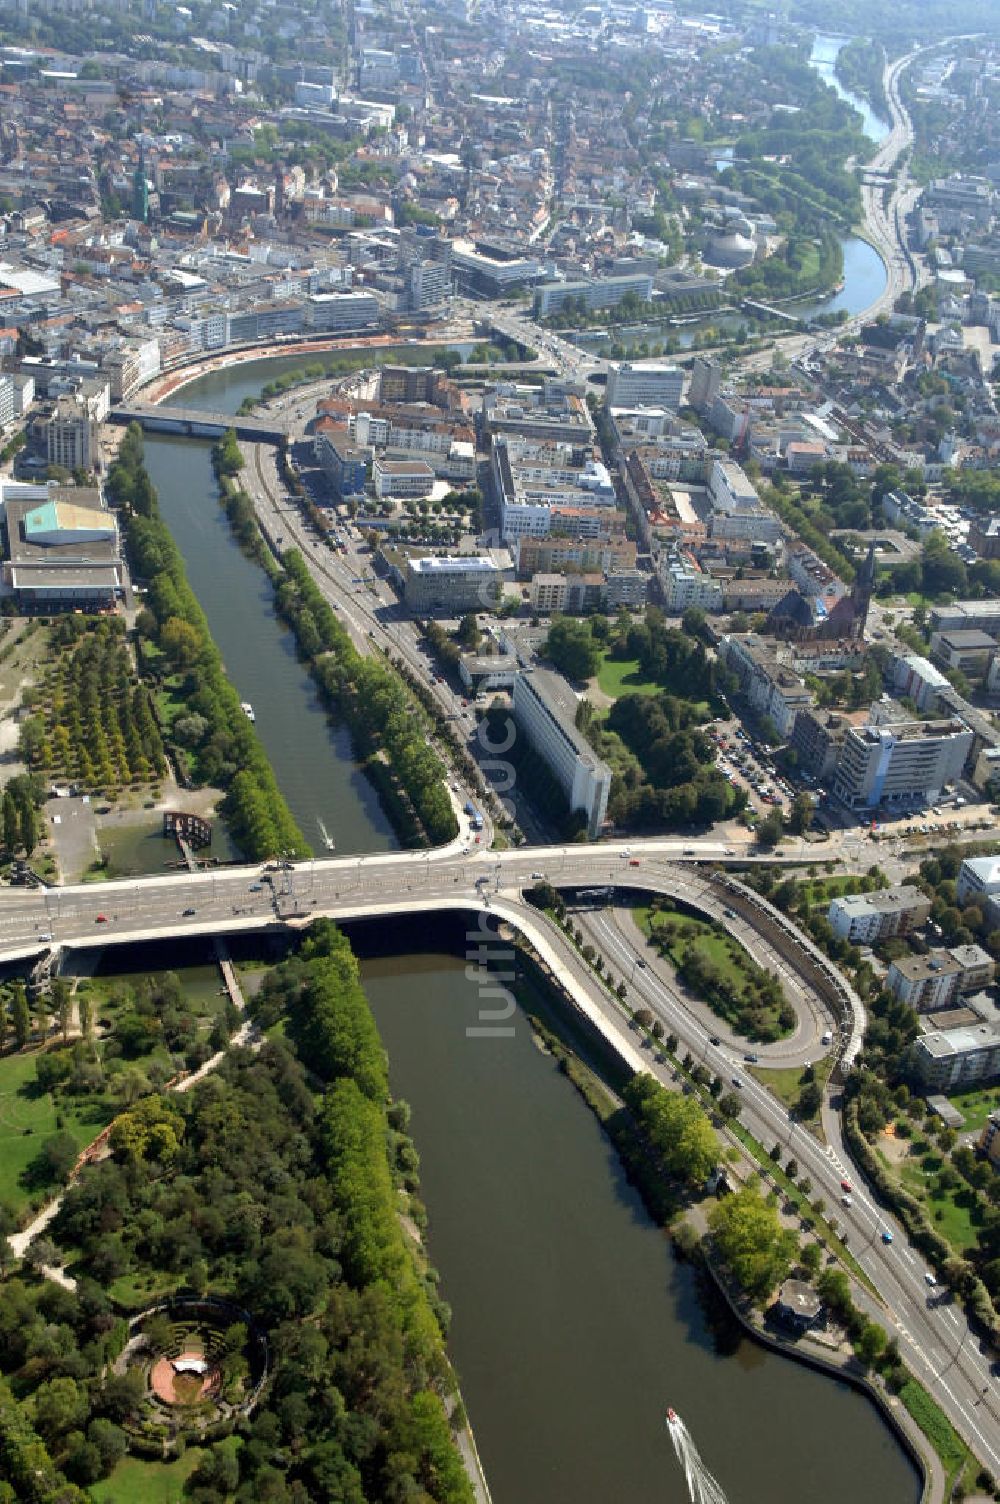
x=28, y=1118
x=622, y=676
x=140, y=1287
x=976, y=1106
x=816, y=890
x=950, y=1219
x=151, y=1482
x=722, y=951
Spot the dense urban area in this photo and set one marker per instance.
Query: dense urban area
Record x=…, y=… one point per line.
x=500, y=522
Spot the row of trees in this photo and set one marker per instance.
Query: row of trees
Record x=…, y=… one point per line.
x=92, y=720
x=222, y=742
x=371, y=697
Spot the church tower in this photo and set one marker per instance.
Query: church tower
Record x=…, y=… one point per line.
x=861, y=593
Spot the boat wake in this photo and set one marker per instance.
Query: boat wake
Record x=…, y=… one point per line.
x=702, y=1487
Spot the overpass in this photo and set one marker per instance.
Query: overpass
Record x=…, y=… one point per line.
x=458, y=876
x=195, y=423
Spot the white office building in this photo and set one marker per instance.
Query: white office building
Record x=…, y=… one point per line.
x=648, y=385
x=467, y=583
x=906, y=763
x=341, y=310
x=545, y=710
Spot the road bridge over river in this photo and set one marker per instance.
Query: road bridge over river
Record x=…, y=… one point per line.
x=195, y=423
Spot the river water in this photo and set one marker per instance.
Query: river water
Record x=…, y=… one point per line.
x=573, y=1326
x=312, y=759
x=823, y=58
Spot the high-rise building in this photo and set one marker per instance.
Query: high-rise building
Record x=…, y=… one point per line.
x=905, y=763
x=647, y=385
x=706, y=379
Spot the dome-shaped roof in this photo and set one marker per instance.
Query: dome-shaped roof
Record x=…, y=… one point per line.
x=730, y=250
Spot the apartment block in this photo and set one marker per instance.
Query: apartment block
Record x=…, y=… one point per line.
x=865, y=918
x=772, y=688
x=952, y=1059
x=925, y=982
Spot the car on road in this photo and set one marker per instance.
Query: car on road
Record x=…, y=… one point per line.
x=752, y=1057
x=846, y=1201
x=537, y=877
x=642, y=963
x=188, y=912
x=633, y=861
x=886, y=1236
x=845, y=1185
x=715, y=1039
x=930, y=1279
x=737, y=1082
x=256, y=888
x=101, y=919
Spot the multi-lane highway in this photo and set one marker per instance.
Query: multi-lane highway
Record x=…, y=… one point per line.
x=933, y=1334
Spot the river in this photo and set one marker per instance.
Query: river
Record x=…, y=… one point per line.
x=573, y=1326
x=312, y=759
x=823, y=58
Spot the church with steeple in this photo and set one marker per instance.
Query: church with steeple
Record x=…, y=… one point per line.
x=796, y=617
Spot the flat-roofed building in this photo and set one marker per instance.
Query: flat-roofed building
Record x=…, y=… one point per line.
x=402, y=478
x=978, y=877
x=597, y=292
x=63, y=548
x=924, y=982
x=645, y=384
x=468, y=583
x=341, y=310
x=952, y=1059
x=905, y=763
x=865, y=918
x=988, y=1143
x=967, y=649
x=545, y=710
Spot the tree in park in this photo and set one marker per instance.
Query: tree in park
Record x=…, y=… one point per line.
x=180, y=641
x=20, y=1015
x=571, y=647
x=810, y=1100
x=62, y=1005
x=11, y=823
x=751, y=1240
